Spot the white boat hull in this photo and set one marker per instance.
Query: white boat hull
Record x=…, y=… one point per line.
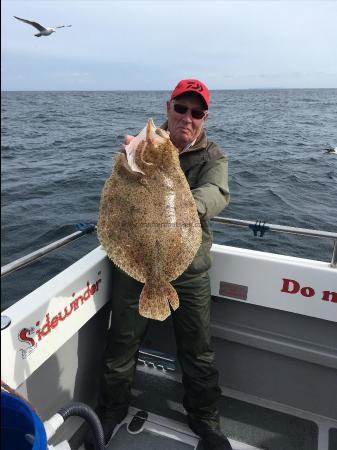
x=273, y=344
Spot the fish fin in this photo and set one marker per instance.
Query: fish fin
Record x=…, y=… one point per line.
x=155, y=299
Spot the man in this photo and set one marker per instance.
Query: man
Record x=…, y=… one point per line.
x=206, y=170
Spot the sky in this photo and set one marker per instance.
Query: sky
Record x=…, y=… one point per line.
x=150, y=45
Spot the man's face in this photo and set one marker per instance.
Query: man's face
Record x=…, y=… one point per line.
x=184, y=128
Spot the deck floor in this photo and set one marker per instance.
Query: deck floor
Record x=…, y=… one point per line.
x=160, y=433
x=248, y=426
x=241, y=421
x=145, y=440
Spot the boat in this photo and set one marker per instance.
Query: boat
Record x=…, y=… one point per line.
x=274, y=329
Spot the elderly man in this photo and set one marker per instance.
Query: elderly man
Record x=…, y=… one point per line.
x=206, y=170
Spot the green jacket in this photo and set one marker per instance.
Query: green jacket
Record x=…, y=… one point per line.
x=206, y=170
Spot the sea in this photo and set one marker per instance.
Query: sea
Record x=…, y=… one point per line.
x=57, y=150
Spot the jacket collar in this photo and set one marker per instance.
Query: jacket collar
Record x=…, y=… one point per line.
x=200, y=143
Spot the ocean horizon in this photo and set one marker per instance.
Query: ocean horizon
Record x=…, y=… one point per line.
x=169, y=90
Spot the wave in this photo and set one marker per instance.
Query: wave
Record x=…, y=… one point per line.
x=294, y=179
x=247, y=175
x=277, y=196
x=14, y=148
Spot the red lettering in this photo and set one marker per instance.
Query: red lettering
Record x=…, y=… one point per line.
x=66, y=313
x=290, y=286
x=54, y=322
x=87, y=293
x=307, y=291
x=93, y=289
x=39, y=334
x=97, y=283
x=74, y=304
x=24, y=336
x=46, y=329
x=49, y=325
x=329, y=296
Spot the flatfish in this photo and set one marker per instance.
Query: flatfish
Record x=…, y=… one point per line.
x=148, y=221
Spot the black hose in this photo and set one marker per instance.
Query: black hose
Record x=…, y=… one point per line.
x=84, y=411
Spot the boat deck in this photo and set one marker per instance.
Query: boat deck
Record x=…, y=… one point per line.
x=248, y=425
x=276, y=354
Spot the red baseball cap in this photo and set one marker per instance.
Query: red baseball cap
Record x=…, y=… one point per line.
x=192, y=85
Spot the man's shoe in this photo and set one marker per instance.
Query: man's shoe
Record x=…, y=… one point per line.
x=214, y=440
x=108, y=424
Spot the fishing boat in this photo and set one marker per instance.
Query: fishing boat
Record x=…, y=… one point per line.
x=274, y=331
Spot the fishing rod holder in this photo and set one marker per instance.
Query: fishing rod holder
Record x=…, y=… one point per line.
x=85, y=227
x=261, y=228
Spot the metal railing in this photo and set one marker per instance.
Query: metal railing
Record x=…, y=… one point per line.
x=31, y=257
x=257, y=227
x=261, y=227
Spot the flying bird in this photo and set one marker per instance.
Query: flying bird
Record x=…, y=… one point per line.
x=331, y=150
x=42, y=30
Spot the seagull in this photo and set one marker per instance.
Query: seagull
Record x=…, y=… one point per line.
x=43, y=31
x=331, y=150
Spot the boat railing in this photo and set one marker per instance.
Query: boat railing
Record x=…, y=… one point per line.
x=82, y=229
x=258, y=227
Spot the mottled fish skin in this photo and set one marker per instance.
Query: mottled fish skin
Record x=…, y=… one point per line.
x=148, y=221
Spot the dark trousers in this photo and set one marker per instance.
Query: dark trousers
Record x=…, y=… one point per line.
x=191, y=323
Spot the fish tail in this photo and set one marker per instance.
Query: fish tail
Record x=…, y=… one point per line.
x=155, y=299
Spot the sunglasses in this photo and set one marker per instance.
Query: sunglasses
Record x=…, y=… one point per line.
x=195, y=113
